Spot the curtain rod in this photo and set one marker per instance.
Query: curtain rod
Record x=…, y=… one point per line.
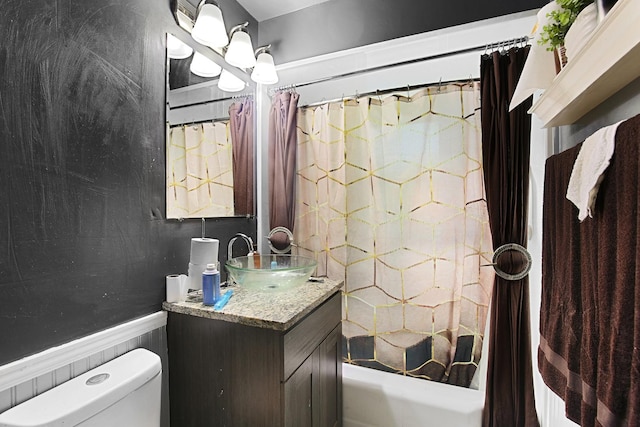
x=407, y=88
x=197, y=122
x=486, y=47
x=213, y=101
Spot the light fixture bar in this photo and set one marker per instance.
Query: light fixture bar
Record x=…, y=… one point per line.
x=184, y=36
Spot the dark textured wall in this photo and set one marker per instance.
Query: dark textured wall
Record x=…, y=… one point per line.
x=342, y=24
x=83, y=240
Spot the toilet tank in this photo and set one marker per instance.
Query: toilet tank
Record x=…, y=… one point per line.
x=122, y=392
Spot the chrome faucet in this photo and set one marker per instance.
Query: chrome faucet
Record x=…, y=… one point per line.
x=247, y=240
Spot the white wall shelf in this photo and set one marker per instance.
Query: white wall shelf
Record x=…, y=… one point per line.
x=607, y=63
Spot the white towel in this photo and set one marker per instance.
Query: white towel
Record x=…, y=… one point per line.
x=581, y=30
x=539, y=69
x=588, y=170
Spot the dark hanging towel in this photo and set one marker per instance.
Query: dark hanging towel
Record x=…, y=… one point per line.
x=509, y=400
x=589, y=350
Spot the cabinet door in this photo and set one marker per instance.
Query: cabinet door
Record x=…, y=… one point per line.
x=327, y=382
x=298, y=395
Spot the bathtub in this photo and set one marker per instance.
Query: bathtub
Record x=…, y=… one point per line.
x=375, y=398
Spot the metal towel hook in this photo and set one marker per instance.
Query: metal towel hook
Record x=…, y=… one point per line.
x=510, y=247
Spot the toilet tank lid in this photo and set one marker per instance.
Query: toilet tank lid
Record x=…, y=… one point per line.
x=86, y=395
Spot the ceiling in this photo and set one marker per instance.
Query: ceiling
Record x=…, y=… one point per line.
x=267, y=9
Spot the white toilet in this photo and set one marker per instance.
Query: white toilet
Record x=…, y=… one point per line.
x=123, y=392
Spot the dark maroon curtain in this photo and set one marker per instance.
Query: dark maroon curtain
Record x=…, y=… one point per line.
x=241, y=124
x=283, y=141
x=509, y=398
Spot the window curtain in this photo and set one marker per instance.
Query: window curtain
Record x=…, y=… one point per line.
x=282, y=159
x=199, y=171
x=391, y=200
x=241, y=128
x=509, y=398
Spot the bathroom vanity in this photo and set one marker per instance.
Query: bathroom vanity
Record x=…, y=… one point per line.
x=265, y=359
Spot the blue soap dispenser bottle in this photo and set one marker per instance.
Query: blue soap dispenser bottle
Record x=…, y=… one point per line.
x=210, y=285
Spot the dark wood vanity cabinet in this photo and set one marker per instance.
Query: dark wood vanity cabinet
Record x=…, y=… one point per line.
x=312, y=394
x=223, y=373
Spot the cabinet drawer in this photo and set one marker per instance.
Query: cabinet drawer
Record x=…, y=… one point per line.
x=300, y=341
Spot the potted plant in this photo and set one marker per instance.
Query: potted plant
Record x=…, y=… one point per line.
x=553, y=34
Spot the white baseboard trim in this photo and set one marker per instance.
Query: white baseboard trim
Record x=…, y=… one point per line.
x=53, y=358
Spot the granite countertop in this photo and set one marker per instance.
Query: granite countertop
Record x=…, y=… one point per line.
x=277, y=310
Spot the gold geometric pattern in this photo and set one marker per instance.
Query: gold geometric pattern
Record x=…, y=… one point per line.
x=390, y=199
x=199, y=171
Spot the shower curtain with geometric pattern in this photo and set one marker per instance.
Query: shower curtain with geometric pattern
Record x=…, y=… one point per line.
x=390, y=199
x=199, y=171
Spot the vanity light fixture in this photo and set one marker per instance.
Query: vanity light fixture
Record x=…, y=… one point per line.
x=240, y=50
x=265, y=70
x=203, y=66
x=230, y=83
x=176, y=49
x=209, y=28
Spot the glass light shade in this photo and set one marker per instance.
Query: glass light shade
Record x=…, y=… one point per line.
x=265, y=70
x=204, y=67
x=230, y=83
x=176, y=49
x=209, y=28
x=240, y=51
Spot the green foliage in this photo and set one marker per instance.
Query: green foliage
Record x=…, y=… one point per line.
x=560, y=20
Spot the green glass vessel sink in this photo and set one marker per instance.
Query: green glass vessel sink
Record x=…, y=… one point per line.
x=270, y=272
